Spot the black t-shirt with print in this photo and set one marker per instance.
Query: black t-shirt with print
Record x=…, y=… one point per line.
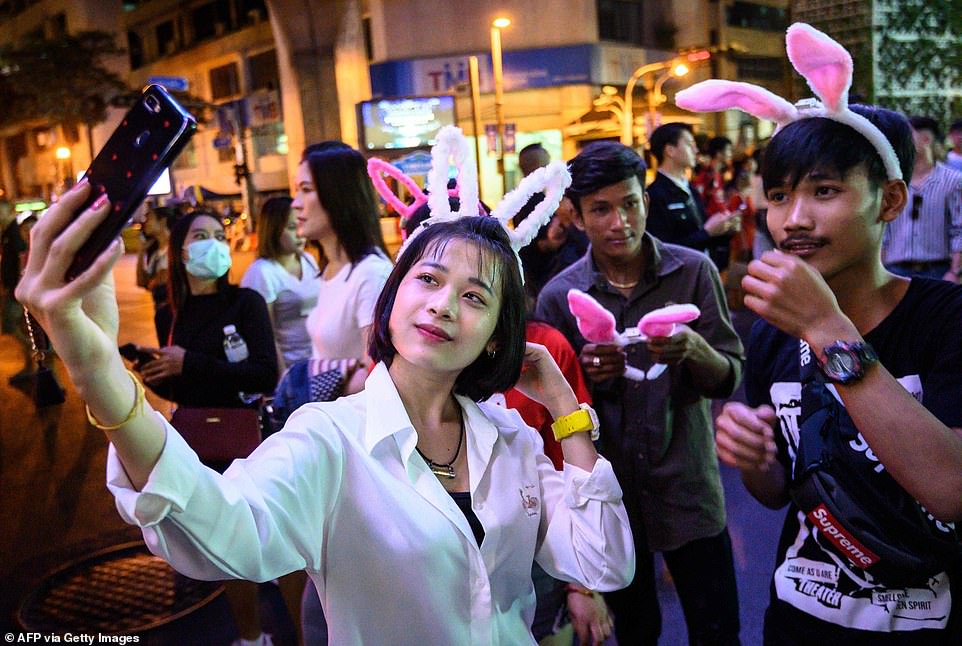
x=814, y=591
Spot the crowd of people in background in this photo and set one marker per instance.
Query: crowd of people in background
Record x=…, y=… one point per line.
x=634, y=241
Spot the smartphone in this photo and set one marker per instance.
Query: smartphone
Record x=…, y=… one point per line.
x=147, y=141
x=133, y=353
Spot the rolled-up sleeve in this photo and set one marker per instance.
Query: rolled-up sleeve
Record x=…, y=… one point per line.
x=586, y=535
x=263, y=518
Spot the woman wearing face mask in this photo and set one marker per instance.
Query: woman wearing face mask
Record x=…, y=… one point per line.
x=286, y=277
x=193, y=370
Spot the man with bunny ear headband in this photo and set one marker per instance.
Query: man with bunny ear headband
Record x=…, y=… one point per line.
x=849, y=358
x=658, y=432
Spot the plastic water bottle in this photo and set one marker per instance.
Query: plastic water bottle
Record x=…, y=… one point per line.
x=235, y=347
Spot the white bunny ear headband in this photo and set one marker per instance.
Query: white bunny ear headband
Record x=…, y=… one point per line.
x=828, y=69
x=452, y=147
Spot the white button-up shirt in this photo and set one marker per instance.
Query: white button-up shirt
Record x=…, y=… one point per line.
x=342, y=494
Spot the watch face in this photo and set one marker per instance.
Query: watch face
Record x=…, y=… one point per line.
x=842, y=363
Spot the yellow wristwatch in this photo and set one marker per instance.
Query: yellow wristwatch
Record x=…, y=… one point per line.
x=581, y=421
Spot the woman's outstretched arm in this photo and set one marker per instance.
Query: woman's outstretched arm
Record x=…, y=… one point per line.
x=81, y=319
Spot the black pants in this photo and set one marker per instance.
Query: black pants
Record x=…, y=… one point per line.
x=704, y=575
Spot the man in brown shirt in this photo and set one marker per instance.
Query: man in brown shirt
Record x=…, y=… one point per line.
x=657, y=433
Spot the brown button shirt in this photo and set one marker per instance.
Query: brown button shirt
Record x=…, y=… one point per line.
x=658, y=434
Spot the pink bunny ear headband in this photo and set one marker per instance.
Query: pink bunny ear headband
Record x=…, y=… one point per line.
x=378, y=168
x=452, y=147
x=828, y=69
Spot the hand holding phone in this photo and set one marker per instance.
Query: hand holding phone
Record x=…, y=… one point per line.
x=148, y=139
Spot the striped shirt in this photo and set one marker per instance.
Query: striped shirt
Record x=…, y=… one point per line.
x=936, y=231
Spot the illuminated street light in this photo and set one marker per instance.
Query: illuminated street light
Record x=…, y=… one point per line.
x=677, y=66
x=62, y=153
x=64, y=167
x=496, y=26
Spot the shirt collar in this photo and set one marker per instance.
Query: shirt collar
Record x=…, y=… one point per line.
x=662, y=261
x=680, y=183
x=386, y=416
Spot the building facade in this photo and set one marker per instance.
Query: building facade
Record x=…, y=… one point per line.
x=907, y=53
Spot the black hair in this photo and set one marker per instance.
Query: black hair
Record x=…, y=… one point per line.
x=602, y=164
x=666, y=134
x=345, y=191
x=486, y=375
x=956, y=125
x=530, y=148
x=927, y=123
x=321, y=146
x=820, y=144
x=177, y=286
x=717, y=145
x=271, y=222
x=423, y=212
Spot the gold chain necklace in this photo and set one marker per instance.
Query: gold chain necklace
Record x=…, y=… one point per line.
x=444, y=470
x=621, y=285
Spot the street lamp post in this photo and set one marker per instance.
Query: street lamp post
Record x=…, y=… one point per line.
x=678, y=67
x=627, y=122
x=496, y=27
x=64, y=167
x=655, y=97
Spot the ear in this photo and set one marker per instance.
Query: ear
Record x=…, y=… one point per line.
x=715, y=95
x=895, y=195
x=577, y=218
x=492, y=345
x=377, y=168
x=825, y=64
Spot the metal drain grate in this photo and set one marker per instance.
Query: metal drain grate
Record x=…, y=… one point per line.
x=120, y=590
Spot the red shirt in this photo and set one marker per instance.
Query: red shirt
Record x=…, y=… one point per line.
x=534, y=414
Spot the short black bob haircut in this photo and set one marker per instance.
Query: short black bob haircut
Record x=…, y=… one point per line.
x=602, y=164
x=822, y=145
x=486, y=375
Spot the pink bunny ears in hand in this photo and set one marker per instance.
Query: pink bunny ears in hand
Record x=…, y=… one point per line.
x=597, y=325
x=825, y=65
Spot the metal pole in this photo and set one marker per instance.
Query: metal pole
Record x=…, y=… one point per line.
x=627, y=136
x=475, y=83
x=499, y=102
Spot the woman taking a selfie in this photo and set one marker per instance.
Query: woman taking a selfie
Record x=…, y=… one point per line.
x=416, y=511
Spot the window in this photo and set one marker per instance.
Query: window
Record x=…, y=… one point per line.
x=166, y=38
x=622, y=21
x=211, y=19
x=224, y=82
x=263, y=69
x=135, y=49
x=760, y=67
x=188, y=156
x=757, y=16
x=269, y=139
x=251, y=12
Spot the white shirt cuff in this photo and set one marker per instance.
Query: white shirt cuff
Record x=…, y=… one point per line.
x=169, y=485
x=600, y=484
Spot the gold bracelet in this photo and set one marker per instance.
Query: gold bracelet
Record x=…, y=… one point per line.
x=135, y=411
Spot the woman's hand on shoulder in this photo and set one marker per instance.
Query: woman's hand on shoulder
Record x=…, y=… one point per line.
x=542, y=380
x=80, y=317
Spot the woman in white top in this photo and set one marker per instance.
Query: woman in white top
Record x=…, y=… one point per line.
x=336, y=205
x=286, y=277
x=415, y=510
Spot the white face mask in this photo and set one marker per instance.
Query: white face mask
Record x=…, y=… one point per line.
x=208, y=258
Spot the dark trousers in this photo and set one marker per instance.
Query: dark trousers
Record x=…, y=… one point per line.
x=704, y=575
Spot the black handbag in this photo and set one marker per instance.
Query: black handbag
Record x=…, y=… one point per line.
x=219, y=435
x=46, y=390
x=853, y=502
